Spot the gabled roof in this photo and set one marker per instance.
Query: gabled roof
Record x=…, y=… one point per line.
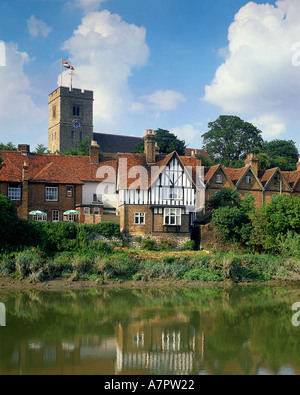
x=140, y=175
x=292, y=177
x=50, y=168
x=237, y=175
x=211, y=171
x=267, y=176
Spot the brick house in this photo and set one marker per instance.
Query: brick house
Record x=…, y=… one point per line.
x=54, y=184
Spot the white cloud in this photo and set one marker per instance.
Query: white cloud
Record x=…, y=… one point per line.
x=88, y=5
x=17, y=108
x=258, y=78
x=37, y=27
x=189, y=134
x=159, y=101
x=270, y=125
x=104, y=50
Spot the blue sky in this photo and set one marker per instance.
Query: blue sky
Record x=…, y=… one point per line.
x=171, y=64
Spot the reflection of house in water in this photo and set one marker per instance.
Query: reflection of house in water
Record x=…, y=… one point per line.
x=158, y=347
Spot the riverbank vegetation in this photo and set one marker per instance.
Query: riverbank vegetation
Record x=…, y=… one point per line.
x=253, y=245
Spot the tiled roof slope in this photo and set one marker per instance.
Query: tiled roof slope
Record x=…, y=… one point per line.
x=52, y=168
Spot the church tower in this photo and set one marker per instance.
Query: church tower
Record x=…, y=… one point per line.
x=70, y=118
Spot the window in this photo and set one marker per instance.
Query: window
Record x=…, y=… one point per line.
x=14, y=192
x=219, y=179
x=86, y=210
x=72, y=135
x=51, y=194
x=76, y=110
x=96, y=211
x=172, y=193
x=55, y=215
x=69, y=191
x=97, y=198
x=40, y=217
x=172, y=216
x=248, y=180
x=80, y=136
x=54, y=112
x=139, y=218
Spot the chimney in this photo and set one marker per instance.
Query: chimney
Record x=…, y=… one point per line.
x=24, y=149
x=252, y=161
x=94, y=152
x=150, y=147
x=25, y=172
x=298, y=163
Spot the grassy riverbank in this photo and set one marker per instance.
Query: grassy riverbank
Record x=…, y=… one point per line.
x=102, y=262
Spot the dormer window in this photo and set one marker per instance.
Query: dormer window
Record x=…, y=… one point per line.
x=219, y=179
x=248, y=180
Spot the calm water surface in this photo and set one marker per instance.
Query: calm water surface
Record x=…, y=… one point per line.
x=238, y=330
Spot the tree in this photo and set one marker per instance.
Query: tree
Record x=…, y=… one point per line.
x=41, y=149
x=82, y=148
x=166, y=141
x=8, y=219
x=8, y=147
x=230, y=138
x=226, y=197
x=282, y=153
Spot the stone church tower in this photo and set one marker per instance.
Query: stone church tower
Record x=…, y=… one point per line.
x=70, y=118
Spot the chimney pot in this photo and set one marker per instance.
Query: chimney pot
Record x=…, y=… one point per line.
x=150, y=146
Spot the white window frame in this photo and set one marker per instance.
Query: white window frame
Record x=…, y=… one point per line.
x=14, y=193
x=139, y=218
x=69, y=191
x=97, y=198
x=219, y=179
x=172, y=216
x=86, y=210
x=51, y=191
x=40, y=217
x=248, y=180
x=96, y=211
x=55, y=215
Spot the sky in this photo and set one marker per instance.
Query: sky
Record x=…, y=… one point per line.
x=169, y=64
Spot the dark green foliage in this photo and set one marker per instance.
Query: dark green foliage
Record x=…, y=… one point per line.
x=227, y=197
x=8, y=221
x=229, y=139
x=166, y=141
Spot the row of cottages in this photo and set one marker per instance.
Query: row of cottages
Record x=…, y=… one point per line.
x=149, y=194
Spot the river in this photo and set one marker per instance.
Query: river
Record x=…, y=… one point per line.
x=241, y=330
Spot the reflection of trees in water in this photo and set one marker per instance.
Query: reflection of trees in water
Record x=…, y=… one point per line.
x=235, y=328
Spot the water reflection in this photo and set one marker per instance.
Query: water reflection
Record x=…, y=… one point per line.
x=239, y=330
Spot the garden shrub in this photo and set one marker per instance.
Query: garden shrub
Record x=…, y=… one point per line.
x=189, y=245
x=149, y=245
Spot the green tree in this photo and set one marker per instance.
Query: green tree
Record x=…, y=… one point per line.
x=8, y=147
x=8, y=219
x=282, y=153
x=230, y=138
x=226, y=197
x=166, y=141
x=274, y=220
x=41, y=149
x=82, y=148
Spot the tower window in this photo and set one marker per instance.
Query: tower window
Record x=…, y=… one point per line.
x=76, y=110
x=72, y=135
x=80, y=136
x=54, y=111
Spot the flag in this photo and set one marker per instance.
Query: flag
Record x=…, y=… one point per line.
x=67, y=65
